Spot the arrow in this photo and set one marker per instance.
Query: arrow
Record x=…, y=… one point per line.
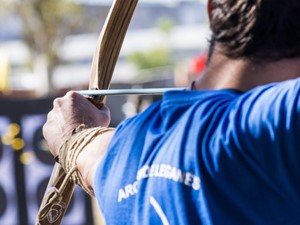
x=137, y=91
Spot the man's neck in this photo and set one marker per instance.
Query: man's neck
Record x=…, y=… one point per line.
x=225, y=73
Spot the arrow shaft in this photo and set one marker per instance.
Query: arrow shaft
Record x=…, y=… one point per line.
x=137, y=91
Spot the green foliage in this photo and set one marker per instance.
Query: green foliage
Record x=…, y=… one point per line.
x=165, y=24
x=45, y=23
x=156, y=57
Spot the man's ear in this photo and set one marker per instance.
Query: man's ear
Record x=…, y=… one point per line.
x=209, y=8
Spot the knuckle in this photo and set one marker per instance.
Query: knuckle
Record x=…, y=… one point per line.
x=57, y=102
x=71, y=94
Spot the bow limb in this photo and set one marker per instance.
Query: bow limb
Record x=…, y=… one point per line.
x=110, y=42
x=59, y=192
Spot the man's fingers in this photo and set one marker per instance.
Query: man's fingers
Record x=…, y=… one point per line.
x=67, y=114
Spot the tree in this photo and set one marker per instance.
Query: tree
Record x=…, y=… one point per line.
x=159, y=56
x=153, y=58
x=45, y=23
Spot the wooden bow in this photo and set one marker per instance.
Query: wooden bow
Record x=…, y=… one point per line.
x=109, y=44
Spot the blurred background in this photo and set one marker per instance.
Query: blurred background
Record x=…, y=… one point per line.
x=46, y=49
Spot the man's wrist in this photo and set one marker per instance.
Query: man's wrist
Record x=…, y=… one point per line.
x=73, y=148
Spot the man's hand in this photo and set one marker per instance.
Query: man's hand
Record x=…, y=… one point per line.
x=67, y=114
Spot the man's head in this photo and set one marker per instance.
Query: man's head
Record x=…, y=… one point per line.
x=256, y=29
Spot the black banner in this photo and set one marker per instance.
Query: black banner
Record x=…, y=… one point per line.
x=26, y=165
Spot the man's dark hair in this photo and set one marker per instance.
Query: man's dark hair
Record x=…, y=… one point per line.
x=257, y=29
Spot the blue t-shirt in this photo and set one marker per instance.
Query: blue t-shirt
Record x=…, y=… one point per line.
x=218, y=157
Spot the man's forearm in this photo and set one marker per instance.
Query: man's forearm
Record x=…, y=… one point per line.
x=89, y=159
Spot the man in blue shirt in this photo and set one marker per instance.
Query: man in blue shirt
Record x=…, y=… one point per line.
x=225, y=151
